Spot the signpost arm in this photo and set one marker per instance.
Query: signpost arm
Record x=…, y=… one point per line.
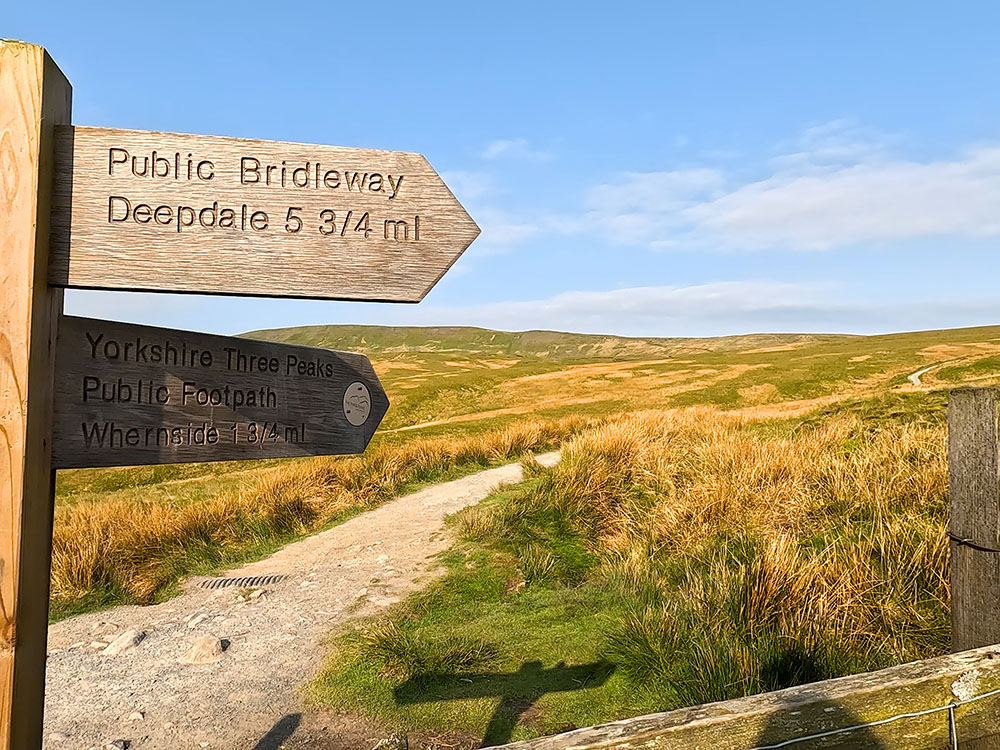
x=34, y=97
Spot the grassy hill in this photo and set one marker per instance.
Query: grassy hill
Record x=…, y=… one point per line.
x=483, y=342
x=788, y=527
x=460, y=385
x=439, y=378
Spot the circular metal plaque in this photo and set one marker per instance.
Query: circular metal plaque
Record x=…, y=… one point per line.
x=357, y=404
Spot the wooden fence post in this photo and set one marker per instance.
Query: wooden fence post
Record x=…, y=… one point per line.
x=34, y=97
x=974, y=523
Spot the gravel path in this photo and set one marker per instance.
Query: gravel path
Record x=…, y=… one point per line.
x=914, y=377
x=249, y=698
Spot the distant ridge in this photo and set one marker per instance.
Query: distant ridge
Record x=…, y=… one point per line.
x=553, y=345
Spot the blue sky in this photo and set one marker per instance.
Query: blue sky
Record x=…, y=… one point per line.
x=670, y=169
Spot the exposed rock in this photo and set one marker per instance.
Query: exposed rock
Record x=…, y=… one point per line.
x=966, y=686
x=124, y=643
x=58, y=736
x=205, y=650
x=197, y=620
x=395, y=741
x=136, y=716
x=117, y=745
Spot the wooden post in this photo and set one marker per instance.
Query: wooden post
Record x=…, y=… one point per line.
x=974, y=525
x=34, y=97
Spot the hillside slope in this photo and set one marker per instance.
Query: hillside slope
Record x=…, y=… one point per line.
x=445, y=377
x=555, y=345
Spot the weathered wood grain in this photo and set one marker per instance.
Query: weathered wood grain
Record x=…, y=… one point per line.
x=974, y=498
x=129, y=394
x=34, y=98
x=334, y=223
x=771, y=720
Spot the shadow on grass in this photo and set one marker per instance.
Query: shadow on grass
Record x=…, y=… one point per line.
x=517, y=691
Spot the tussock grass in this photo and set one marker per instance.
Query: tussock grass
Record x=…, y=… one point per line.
x=749, y=563
x=404, y=654
x=134, y=551
x=719, y=556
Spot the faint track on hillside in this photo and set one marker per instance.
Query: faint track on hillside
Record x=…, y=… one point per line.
x=914, y=377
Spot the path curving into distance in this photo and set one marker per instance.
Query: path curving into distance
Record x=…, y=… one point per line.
x=249, y=700
x=915, y=377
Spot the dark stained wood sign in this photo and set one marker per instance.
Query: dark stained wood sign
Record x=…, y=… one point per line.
x=128, y=395
x=247, y=217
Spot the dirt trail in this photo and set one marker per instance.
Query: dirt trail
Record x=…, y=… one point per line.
x=914, y=377
x=250, y=698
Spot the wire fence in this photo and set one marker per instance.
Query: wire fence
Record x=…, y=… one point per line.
x=949, y=707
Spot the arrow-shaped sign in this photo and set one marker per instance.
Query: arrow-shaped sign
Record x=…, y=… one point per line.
x=128, y=395
x=152, y=211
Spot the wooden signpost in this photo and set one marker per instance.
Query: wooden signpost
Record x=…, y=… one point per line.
x=234, y=216
x=127, y=395
x=132, y=210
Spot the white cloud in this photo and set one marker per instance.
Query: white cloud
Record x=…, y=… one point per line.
x=516, y=148
x=646, y=207
x=644, y=192
x=840, y=142
x=870, y=202
x=468, y=185
x=652, y=310
x=501, y=232
x=710, y=309
x=837, y=190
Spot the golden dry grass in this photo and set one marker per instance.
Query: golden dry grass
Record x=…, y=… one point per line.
x=749, y=558
x=128, y=550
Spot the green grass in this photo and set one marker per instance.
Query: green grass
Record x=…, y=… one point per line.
x=543, y=594
x=980, y=368
x=539, y=626
x=522, y=637
x=200, y=483
x=466, y=371
x=96, y=481
x=494, y=365
x=532, y=627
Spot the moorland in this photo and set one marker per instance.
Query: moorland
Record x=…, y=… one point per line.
x=730, y=515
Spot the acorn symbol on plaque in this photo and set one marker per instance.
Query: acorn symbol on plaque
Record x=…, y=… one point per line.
x=357, y=404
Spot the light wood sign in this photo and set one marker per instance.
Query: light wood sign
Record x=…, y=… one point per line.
x=128, y=395
x=143, y=210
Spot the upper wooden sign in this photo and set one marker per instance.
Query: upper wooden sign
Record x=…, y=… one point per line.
x=127, y=394
x=151, y=211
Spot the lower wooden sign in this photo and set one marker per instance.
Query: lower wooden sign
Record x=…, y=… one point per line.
x=132, y=395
